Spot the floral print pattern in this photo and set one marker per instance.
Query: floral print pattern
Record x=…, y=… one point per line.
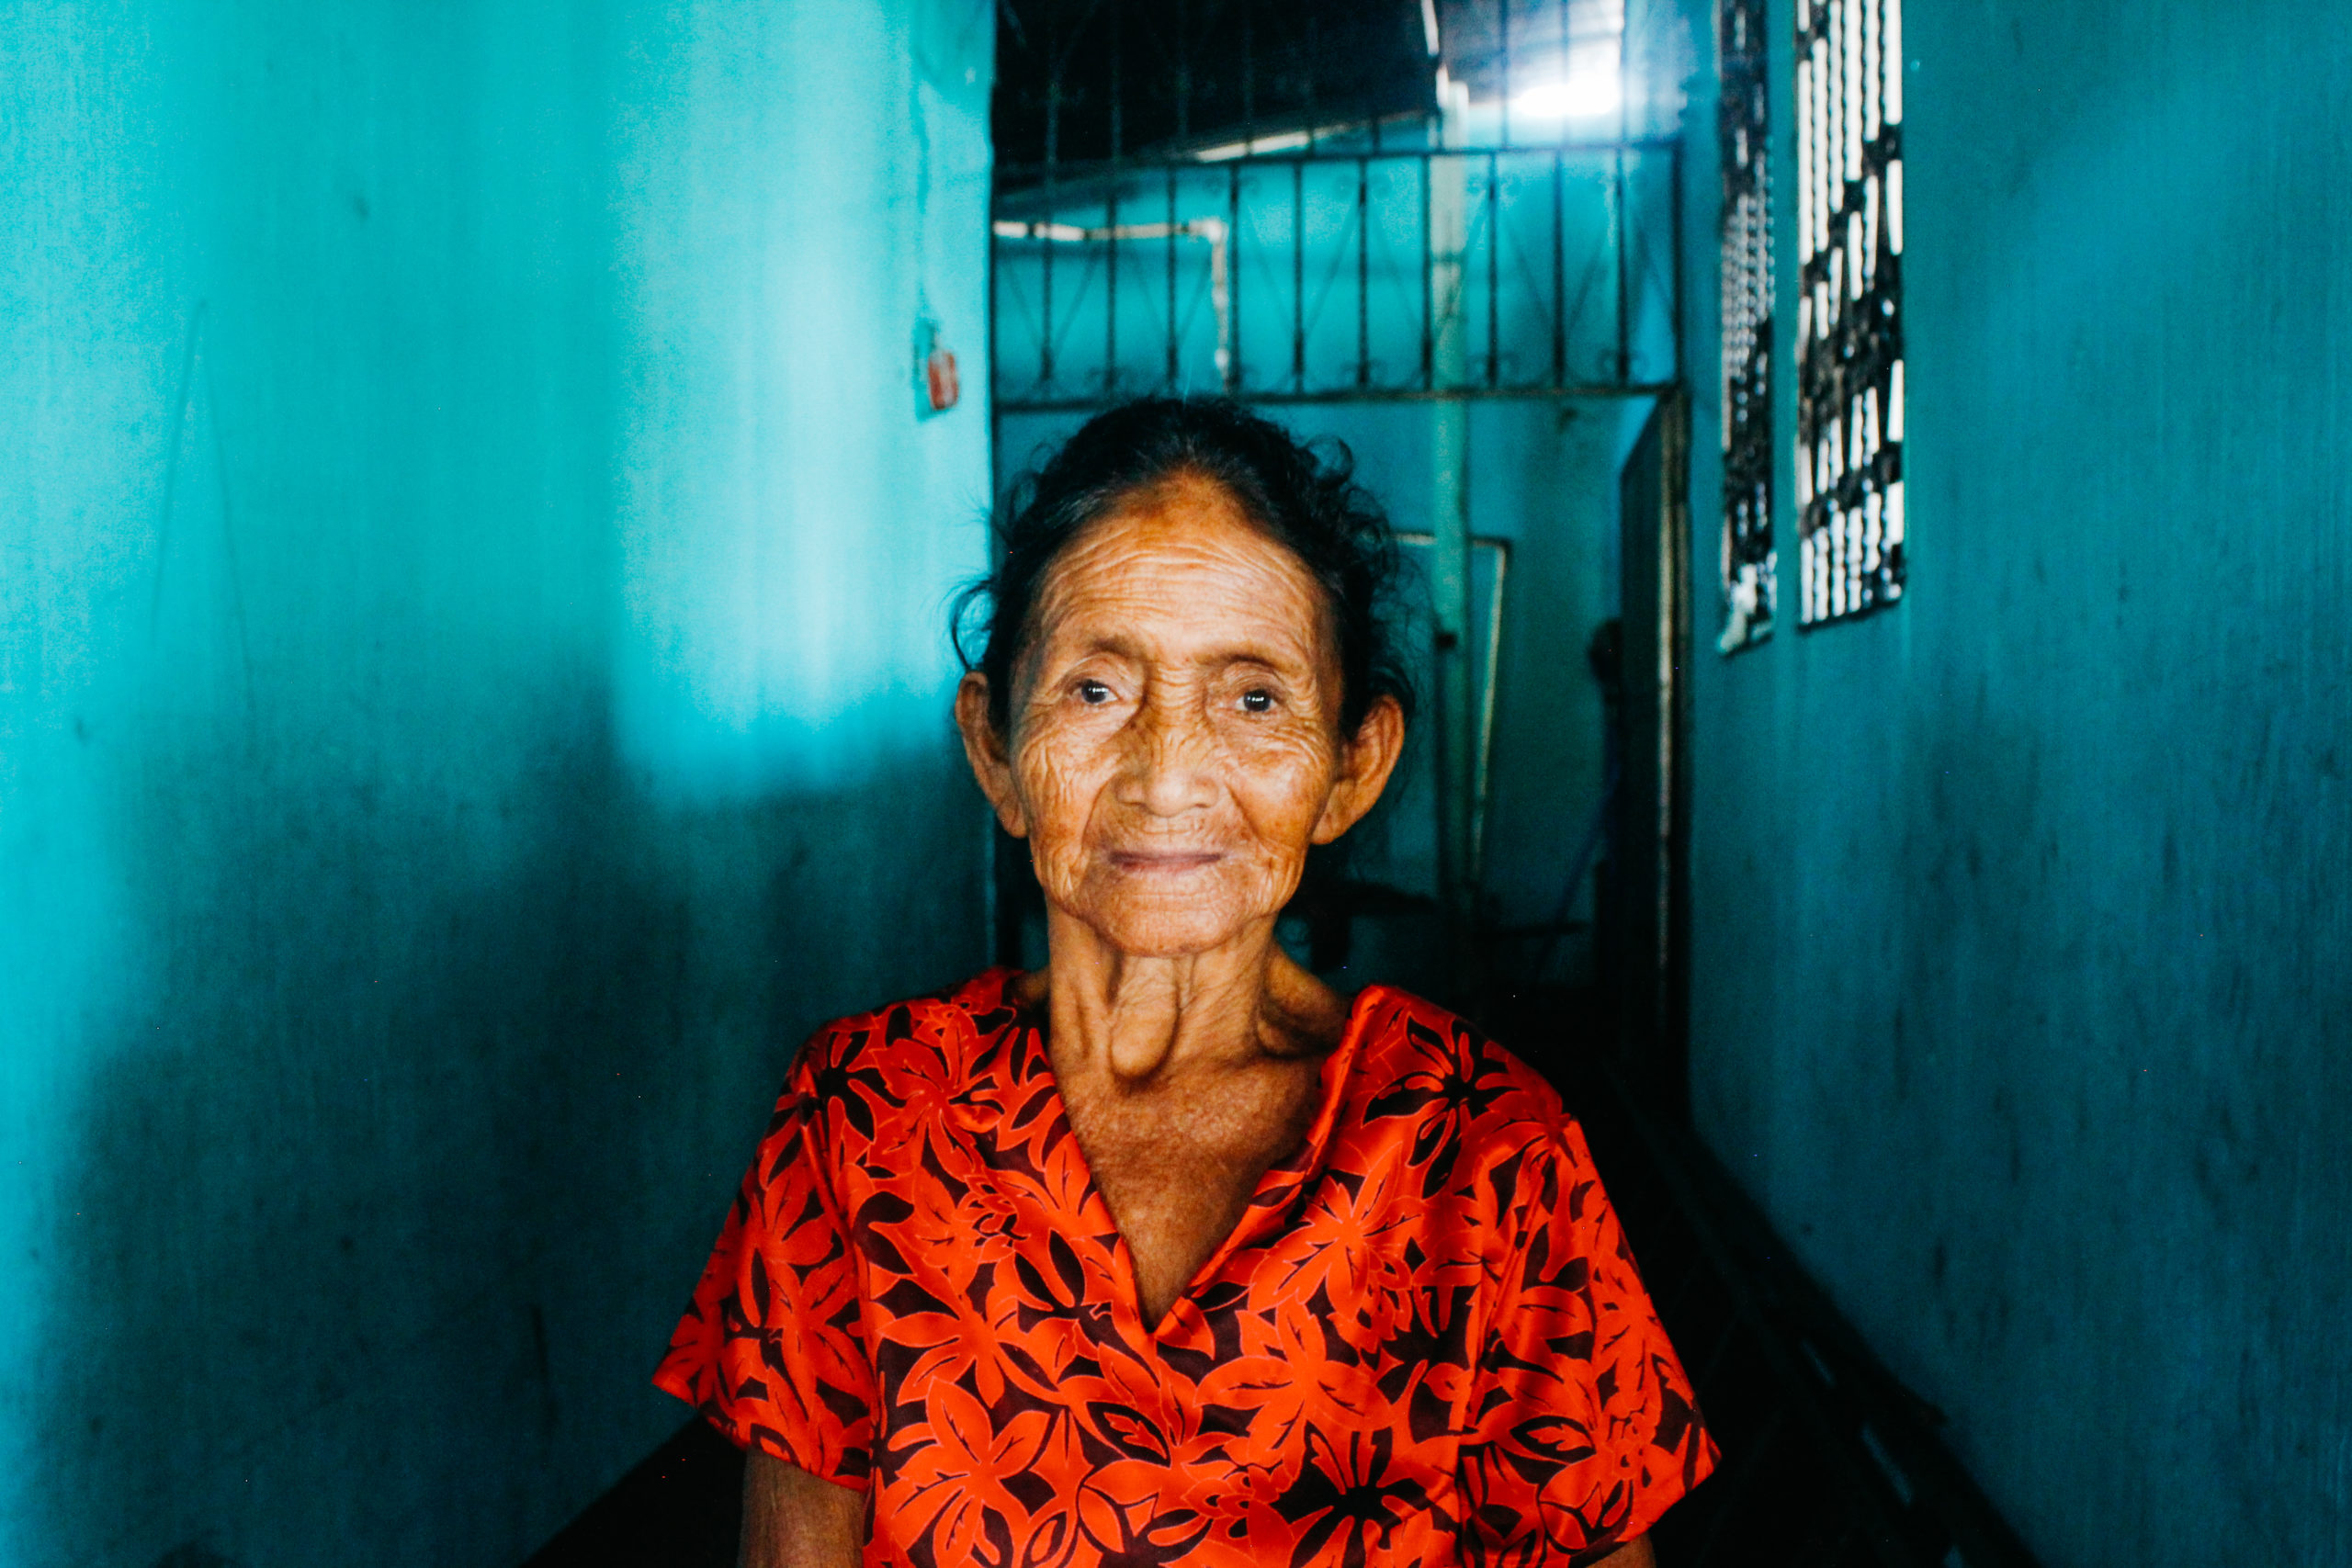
x=1425, y=1343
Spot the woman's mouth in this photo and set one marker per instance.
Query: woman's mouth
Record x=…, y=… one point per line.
x=1164, y=862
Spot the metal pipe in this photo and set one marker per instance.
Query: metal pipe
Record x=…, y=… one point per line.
x=1596, y=390
x=1429, y=274
x=1500, y=550
x=1483, y=785
x=1232, y=366
x=1364, y=272
x=1624, y=304
x=1110, y=298
x=1449, y=549
x=1045, y=309
x=1073, y=234
x=1503, y=29
x=1625, y=229
x=1074, y=171
x=1494, y=273
x=1169, y=381
x=1559, y=265
x=1228, y=349
x=1674, y=197
x=1111, y=211
x=1045, y=287
x=1298, y=277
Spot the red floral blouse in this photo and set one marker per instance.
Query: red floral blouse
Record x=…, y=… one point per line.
x=1425, y=1342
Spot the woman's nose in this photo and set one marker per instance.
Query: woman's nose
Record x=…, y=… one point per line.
x=1167, y=770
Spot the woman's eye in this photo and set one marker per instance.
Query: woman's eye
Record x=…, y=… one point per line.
x=1093, y=693
x=1258, y=701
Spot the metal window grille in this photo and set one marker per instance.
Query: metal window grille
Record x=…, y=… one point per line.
x=1341, y=275
x=1743, y=126
x=1850, y=322
x=1310, y=204
x=1265, y=201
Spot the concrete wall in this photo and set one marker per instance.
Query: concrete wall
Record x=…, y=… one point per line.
x=470, y=695
x=2023, y=929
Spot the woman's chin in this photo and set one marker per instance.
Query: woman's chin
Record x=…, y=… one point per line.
x=1168, y=938
x=1165, y=931
x=1159, y=915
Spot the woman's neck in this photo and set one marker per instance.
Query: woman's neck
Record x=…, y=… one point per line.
x=1139, y=1018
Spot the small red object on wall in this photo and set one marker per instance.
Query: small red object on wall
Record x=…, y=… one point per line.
x=939, y=379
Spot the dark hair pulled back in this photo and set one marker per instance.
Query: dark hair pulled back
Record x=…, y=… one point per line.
x=1306, y=501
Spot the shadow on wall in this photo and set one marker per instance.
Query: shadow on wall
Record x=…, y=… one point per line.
x=388, y=1155
x=471, y=694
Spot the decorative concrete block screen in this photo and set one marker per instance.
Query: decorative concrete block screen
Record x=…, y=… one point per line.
x=1850, y=322
x=1743, y=124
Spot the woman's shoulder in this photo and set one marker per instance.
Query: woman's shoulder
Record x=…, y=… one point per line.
x=1402, y=1029
x=924, y=1033
x=1418, y=1072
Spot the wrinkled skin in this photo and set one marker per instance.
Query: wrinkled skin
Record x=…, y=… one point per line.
x=1174, y=752
x=1175, y=744
x=1174, y=749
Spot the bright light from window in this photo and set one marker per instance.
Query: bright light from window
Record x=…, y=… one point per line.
x=1579, y=97
x=1281, y=142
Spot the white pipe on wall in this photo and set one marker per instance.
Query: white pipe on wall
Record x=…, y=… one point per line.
x=1211, y=231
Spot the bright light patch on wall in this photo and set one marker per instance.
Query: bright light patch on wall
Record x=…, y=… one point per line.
x=1579, y=96
x=789, y=529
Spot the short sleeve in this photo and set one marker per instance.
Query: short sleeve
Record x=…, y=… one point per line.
x=1582, y=1429
x=773, y=1350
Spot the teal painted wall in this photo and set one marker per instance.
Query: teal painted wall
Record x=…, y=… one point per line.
x=471, y=693
x=2023, y=929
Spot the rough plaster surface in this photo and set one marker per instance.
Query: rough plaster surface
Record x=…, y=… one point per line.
x=471, y=694
x=2022, y=923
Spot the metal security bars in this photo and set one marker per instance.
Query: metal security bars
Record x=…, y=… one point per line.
x=1329, y=202
x=1743, y=126
x=1340, y=273
x=1849, y=323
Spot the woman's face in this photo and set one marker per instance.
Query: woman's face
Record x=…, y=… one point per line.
x=1175, y=744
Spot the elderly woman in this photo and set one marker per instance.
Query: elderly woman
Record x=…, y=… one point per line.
x=1165, y=1252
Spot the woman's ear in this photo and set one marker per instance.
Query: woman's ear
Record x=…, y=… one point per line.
x=1365, y=761
x=985, y=750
